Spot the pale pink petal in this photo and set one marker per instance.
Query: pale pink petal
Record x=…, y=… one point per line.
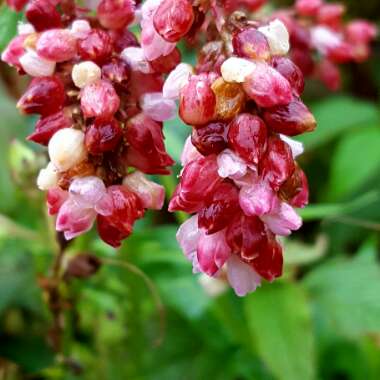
x=242, y=277
x=189, y=153
x=188, y=237
x=36, y=66
x=257, y=199
x=212, y=252
x=296, y=146
x=157, y=107
x=230, y=165
x=282, y=220
x=74, y=220
x=87, y=191
x=153, y=44
x=176, y=80
x=135, y=57
x=324, y=39
x=151, y=194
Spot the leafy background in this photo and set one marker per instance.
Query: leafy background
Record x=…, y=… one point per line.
x=145, y=316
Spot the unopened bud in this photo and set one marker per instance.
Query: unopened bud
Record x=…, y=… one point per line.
x=235, y=70
x=277, y=36
x=48, y=177
x=85, y=73
x=67, y=149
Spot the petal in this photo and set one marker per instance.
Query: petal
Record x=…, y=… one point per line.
x=296, y=146
x=277, y=36
x=189, y=153
x=212, y=252
x=242, y=277
x=157, y=107
x=257, y=199
x=176, y=80
x=87, y=191
x=283, y=220
x=230, y=165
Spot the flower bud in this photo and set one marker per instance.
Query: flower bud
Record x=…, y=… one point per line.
x=291, y=120
x=25, y=28
x=250, y=43
x=237, y=69
x=135, y=57
x=96, y=46
x=99, y=100
x=197, y=102
x=44, y=96
x=277, y=36
x=115, y=14
x=80, y=28
x=176, y=80
x=36, y=66
x=43, y=15
x=151, y=194
x=85, y=73
x=267, y=87
x=66, y=148
x=157, y=107
x=48, y=177
x=57, y=45
x=173, y=19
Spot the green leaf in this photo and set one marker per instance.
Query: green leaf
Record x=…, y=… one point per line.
x=356, y=160
x=336, y=115
x=8, y=25
x=324, y=211
x=346, y=292
x=280, y=324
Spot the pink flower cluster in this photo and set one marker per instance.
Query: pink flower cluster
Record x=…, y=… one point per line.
x=101, y=110
x=239, y=179
x=321, y=40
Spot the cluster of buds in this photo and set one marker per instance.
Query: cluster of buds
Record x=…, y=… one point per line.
x=239, y=179
x=101, y=111
x=321, y=40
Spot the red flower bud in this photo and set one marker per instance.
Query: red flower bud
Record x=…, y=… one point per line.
x=47, y=126
x=103, y=136
x=173, y=19
x=43, y=15
x=146, y=149
x=247, y=136
x=291, y=120
x=44, y=95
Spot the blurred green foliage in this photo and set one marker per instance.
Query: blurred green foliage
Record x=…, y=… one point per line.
x=321, y=321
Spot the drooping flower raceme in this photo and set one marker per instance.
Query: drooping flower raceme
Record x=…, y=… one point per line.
x=240, y=180
x=101, y=110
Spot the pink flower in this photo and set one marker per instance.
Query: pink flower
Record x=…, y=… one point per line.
x=87, y=197
x=257, y=198
x=153, y=44
x=230, y=165
x=241, y=276
x=282, y=220
x=151, y=194
x=188, y=236
x=212, y=252
x=157, y=107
